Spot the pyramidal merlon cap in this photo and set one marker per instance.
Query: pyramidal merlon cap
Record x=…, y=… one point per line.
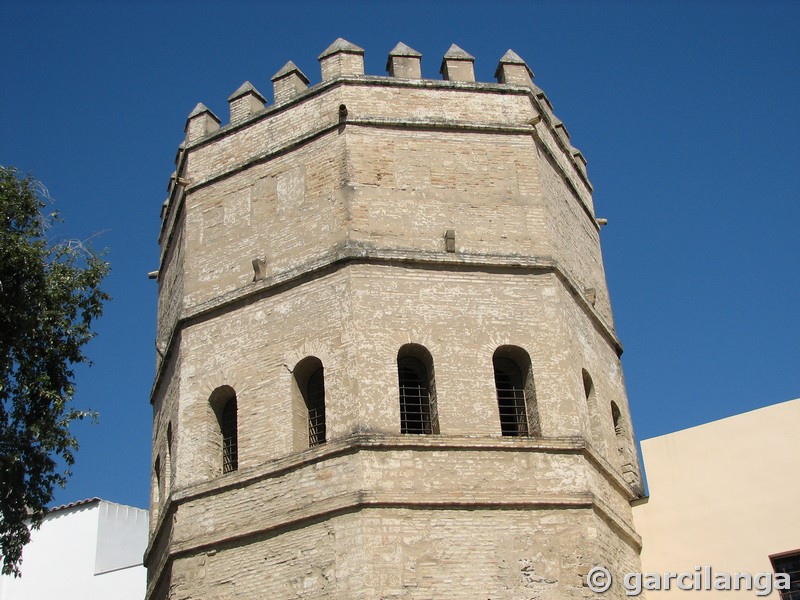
x=288, y=69
x=199, y=110
x=456, y=53
x=402, y=49
x=341, y=45
x=245, y=88
x=512, y=58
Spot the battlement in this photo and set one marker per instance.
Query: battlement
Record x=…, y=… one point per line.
x=343, y=62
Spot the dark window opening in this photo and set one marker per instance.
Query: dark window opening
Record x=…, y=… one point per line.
x=309, y=428
x=510, y=387
x=588, y=386
x=230, y=439
x=417, y=414
x=168, y=456
x=315, y=401
x=157, y=475
x=616, y=416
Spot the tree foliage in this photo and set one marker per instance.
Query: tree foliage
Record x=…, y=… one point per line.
x=49, y=296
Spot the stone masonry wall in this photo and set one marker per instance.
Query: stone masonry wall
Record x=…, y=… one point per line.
x=415, y=555
x=360, y=316
x=400, y=188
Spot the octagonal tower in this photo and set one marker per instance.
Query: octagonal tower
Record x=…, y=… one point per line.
x=387, y=365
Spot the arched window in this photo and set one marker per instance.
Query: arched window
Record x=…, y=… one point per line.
x=516, y=394
x=168, y=467
x=315, y=401
x=230, y=436
x=510, y=397
x=588, y=387
x=625, y=459
x=418, y=412
x=223, y=401
x=595, y=437
x=157, y=481
x=616, y=418
x=309, y=403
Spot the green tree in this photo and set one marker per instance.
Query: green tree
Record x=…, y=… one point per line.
x=49, y=296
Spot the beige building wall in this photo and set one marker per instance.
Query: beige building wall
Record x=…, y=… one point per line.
x=724, y=494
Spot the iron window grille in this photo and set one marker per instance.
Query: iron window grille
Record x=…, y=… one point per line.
x=315, y=401
x=511, y=399
x=230, y=439
x=417, y=408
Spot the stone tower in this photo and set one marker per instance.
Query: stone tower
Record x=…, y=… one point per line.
x=387, y=366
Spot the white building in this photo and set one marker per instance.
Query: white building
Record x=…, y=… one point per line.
x=88, y=550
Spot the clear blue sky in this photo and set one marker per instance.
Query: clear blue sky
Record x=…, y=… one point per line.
x=686, y=111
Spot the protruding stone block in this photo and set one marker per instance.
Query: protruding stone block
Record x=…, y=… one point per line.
x=561, y=131
x=458, y=65
x=404, y=62
x=450, y=240
x=244, y=102
x=179, y=153
x=259, y=268
x=200, y=123
x=545, y=102
x=512, y=69
x=341, y=59
x=580, y=160
x=288, y=83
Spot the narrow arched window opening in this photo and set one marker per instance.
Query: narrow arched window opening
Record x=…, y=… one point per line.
x=157, y=477
x=516, y=393
x=223, y=444
x=308, y=404
x=510, y=397
x=415, y=408
x=418, y=412
x=168, y=468
x=588, y=387
x=315, y=401
x=616, y=418
x=595, y=431
x=230, y=436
